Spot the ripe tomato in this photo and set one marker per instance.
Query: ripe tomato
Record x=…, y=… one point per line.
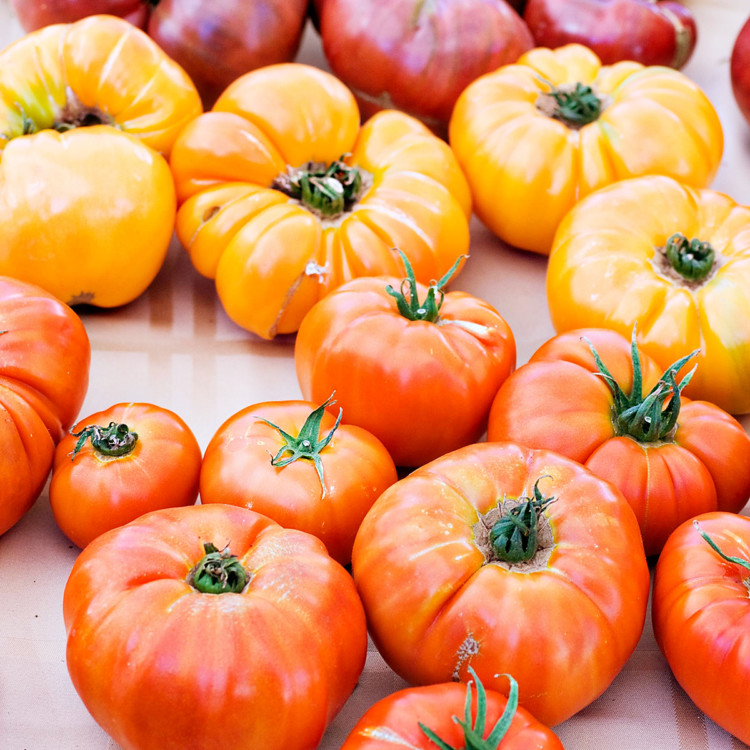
x=120, y=463
x=87, y=197
x=535, y=137
x=416, y=368
x=508, y=560
x=284, y=197
x=673, y=261
x=298, y=464
x=212, y=626
x=44, y=375
x=739, y=69
x=701, y=615
x=621, y=417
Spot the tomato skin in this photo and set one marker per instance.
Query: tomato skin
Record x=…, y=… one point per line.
x=91, y=493
x=356, y=468
x=527, y=169
x=558, y=401
x=422, y=388
x=434, y=607
x=161, y=665
x=701, y=617
x=394, y=721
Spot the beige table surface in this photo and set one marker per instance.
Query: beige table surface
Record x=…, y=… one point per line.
x=175, y=347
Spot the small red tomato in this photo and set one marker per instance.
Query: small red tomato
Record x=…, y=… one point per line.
x=739, y=70
x=120, y=463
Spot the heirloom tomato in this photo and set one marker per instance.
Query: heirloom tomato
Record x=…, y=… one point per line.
x=673, y=261
x=120, y=463
x=418, y=367
x=212, y=626
x=701, y=615
x=535, y=137
x=87, y=199
x=284, y=197
x=422, y=718
x=418, y=56
x=739, y=70
x=508, y=560
x=298, y=464
x=592, y=397
x=44, y=375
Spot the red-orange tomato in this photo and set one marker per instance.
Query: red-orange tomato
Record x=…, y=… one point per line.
x=560, y=401
x=44, y=375
x=245, y=464
x=441, y=596
x=258, y=646
x=701, y=616
x=120, y=463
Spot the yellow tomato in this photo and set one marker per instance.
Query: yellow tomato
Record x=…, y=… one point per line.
x=673, y=261
x=284, y=196
x=537, y=136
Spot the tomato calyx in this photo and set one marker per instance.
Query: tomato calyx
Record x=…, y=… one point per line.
x=692, y=259
x=729, y=558
x=575, y=105
x=113, y=441
x=474, y=735
x=649, y=418
x=308, y=444
x=218, y=572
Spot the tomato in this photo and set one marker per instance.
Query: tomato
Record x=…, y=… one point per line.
x=87, y=196
x=44, y=374
x=214, y=42
x=120, y=463
x=284, y=197
x=417, y=56
x=626, y=421
x=507, y=560
x=417, y=368
x=535, y=137
x=414, y=716
x=298, y=464
x=671, y=260
x=211, y=625
x=739, y=69
x=701, y=615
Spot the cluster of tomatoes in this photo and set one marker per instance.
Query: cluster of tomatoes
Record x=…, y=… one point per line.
x=526, y=555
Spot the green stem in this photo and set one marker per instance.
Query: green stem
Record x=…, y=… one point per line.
x=692, y=259
x=577, y=107
x=113, y=440
x=218, y=572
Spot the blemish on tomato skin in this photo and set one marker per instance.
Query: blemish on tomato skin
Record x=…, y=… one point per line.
x=469, y=648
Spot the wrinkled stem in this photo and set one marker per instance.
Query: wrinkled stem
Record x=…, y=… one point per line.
x=692, y=259
x=113, y=440
x=218, y=572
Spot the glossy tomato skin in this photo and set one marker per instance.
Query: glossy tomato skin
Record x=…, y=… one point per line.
x=356, y=469
x=33, y=15
x=418, y=57
x=103, y=193
x=562, y=625
x=558, y=401
x=527, y=168
x=233, y=220
x=161, y=665
x=91, y=492
x=44, y=374
x=701, y=617
x=606, y=270
x=394, y=720
x=739, y=70
x=422, y=388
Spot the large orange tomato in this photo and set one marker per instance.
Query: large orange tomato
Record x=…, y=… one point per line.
x=507, y=560
x=284, y=197
x=537, y=136
x=120, y=463
x=675, y=262
x=296, y=463
x=592, y=397
x=701, y=615
x=87, y=111
x=44, y=375
x=212, y=626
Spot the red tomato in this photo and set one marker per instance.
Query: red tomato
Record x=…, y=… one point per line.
x=739, y=70
x=507, y=560
x=296, y=463
x=175, y=645
x=119, y=464
x=417, y=368
x=701, y=615
x=670, y=457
